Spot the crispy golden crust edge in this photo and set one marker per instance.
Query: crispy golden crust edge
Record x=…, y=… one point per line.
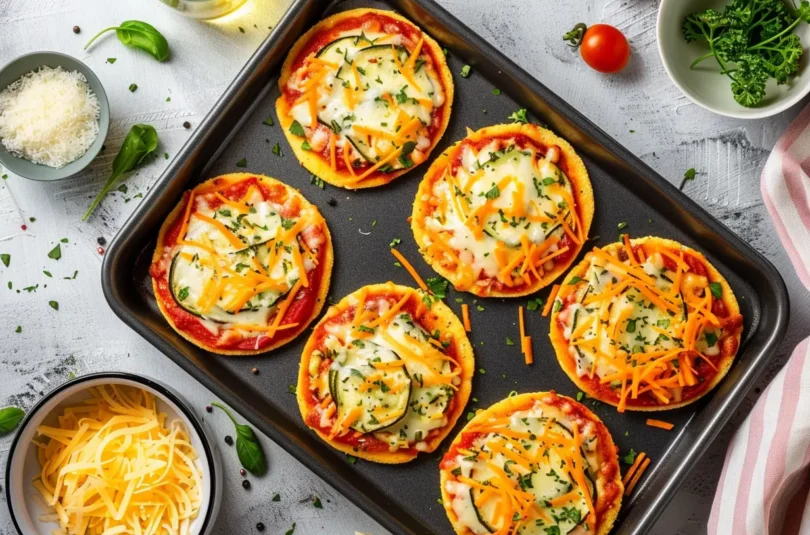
x=314, y=163
x=577, y=173
x=509, y=405
x=467, y=361
x=322, y=291
x=561, y=345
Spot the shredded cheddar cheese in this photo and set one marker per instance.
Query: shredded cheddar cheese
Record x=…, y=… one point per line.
x=113, y=464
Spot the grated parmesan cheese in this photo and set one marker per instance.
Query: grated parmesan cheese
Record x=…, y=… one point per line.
x=49, y=116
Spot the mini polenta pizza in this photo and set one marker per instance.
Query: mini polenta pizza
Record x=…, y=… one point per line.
x=645, y=324
x=532, y=464
x=385, y=374
x=504, y=211
x=242, y=264
x=365, y=95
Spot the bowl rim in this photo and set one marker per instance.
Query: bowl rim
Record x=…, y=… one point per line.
x=162, y=390
x=760, y=114
x=103, y=101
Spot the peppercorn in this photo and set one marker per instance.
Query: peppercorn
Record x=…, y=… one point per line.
x=242, y=472
x=259, y=527
x=101, y=240
x=76, y=29
x=331, y=201
x=246, y=484
x=186, y=125
x=209, y=408
x=255, y=371
x=228, y=440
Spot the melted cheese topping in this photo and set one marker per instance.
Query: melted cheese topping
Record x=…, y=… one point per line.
x=234, y=264
x=502, y=215
x=371, y=95
x=396, y=359
x=639, y=326
x=530, y=472
x=113, y=465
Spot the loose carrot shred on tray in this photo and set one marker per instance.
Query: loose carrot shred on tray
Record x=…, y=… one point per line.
x=407, y=265
x=465, y=316
x=636, y=477
x=527, y=349
x=551, y=297
x=520, y=321
x=660, y=424
x=639, y=458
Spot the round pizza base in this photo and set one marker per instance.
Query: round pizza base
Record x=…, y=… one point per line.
x=320, y=299
x=506, y=407
x=317, y=165
x=576, y=172
x=561, y=345
x=442, y=314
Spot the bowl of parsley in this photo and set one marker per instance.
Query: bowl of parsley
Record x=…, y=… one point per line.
x=740, y=58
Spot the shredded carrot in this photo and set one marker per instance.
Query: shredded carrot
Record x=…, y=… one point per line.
x=527, y=349
x=659, y=424
x=551, y=297
x=465, y=315
x=520, y=322
x=636, y=477
x=639, y=458
x=407, y=265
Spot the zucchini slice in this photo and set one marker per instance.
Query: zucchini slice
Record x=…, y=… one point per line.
x=547, y=480
x=381, y=393
x=343, y=49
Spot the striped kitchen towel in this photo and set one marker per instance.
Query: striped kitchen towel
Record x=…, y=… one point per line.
x=763, y=489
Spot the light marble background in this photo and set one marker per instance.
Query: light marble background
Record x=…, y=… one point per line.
x=639, y=107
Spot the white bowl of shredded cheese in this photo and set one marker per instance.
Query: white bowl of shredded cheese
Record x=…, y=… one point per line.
x=54, y=116
x=104, y=452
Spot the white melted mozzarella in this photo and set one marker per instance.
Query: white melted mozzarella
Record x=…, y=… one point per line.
x=428, y=403
x=544, y=474
x=382, y=97
x=195, y=272
x=519, y=190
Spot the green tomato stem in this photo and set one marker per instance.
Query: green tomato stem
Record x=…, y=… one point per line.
x=90, y=42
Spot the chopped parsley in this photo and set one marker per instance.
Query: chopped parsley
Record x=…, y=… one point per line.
x=465, y=71
x=269, y=121
x=133, y=88
x=5, y=258
x=242, y=163
x=717, y=289
x=496, y=91
x=630, y=458
x=277, y=150
x=687, y=176
x=183, y=293
x=56, y=252
x=519, y=116
x=54, y=304
x=317, y=503
x=535, y=304
x=509, y=341
x=296, y=129
x=276, y=497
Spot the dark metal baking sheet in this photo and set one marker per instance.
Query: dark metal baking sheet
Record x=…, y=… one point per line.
x=404, y=498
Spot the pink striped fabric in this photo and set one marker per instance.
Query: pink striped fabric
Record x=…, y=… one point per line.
x=763, y=489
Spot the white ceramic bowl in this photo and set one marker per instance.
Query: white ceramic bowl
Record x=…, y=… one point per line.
x=23, y=465
x=704, y=85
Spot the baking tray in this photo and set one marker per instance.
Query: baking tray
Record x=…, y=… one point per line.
x=404, y=498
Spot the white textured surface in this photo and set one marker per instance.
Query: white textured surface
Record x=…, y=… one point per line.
x=639, y=107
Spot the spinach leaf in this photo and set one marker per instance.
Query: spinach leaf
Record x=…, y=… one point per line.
x=137, y=34
x=10, y=417
x=248, y=447
x=141, y=141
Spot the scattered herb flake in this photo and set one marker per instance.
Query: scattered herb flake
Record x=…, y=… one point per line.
x=5, y=258
x=716, y=289
x=687, y=176
x=276, y=497
x=111, y=60
x=296, y=129
x=622, y=225
x=351, y=459
x=580, y=395
x=317, y=503
x=242, y=163
x=133, y=88
x=18, y=329
x=519, y=116
x=277, y=150
x=269, y=121
x=509, y=341
x=47, y=273
x=630, y=458
x=54, y=304
x=56, y=252
x=465, y=71
x=291, y=530
x=291, y=389
x=495, y=91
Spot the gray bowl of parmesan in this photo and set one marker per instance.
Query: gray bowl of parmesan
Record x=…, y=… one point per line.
x=54, y=116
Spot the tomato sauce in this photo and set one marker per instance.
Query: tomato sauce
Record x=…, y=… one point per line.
x=388, y=25
x=368, y=442
x=300, y=310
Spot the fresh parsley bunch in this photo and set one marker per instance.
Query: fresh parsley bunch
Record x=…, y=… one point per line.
x=752, y=41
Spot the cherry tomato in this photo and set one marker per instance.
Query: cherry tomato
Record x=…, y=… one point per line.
x=603, y=47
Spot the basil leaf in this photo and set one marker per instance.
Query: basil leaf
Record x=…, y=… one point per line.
x=717, y=289
x=296, y=129
x=140, y=35
x=249, y=450
x=248, y=447
x=10, y=418
x=141, y=141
